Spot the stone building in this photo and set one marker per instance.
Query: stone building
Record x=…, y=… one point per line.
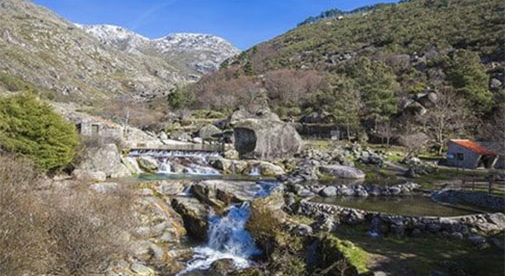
x=470, y=155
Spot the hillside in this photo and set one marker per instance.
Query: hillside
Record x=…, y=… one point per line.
x=383, y=66
x=43, y=51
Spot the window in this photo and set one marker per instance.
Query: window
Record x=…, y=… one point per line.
x=461, y=156
x=94, y=130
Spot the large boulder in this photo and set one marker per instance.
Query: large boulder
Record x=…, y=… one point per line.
x=148, y=164
x=89, y=175
x=209, y=132
x=219, y=193
x=266, y=139
x=194, y=214
x=267, y=168
x=106, y=159
x=261, y=112
x=342, y=171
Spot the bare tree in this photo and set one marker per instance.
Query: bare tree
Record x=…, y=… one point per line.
x=448, y=117
x=386, y=131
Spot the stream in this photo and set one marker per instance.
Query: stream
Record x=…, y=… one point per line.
x=227, y=235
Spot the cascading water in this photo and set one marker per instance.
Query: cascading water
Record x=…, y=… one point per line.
x=228, y=239
x=179, y=162
x=227, y=236
x=255, y=171
x=165, y=167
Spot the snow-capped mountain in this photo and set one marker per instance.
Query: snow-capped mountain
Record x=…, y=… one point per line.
x=198, y=53
x=119, y=37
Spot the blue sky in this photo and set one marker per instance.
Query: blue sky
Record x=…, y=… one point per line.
x=242, y=22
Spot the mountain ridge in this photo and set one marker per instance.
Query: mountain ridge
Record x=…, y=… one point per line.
x=47, y=51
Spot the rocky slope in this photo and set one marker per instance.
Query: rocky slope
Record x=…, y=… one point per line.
x=41, y=50
x=377, y=63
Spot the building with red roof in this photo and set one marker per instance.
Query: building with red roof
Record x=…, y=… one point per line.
x=464, y=153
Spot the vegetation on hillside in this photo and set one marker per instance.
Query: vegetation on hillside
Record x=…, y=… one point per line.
x=31, y=128
x=381, y=61
x=61, y=232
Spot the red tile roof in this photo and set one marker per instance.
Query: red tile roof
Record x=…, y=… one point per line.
x=473, y=146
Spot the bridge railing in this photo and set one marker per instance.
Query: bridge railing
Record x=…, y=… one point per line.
x=183, y=147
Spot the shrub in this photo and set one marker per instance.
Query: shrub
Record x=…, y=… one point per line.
x=30, y=127
x=69, y=232
x=22, y=241
x=85, y=231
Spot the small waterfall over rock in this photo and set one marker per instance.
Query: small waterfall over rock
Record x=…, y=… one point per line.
x=227, y=236
x=178, y=161
x=255, y=171
x=228, y=239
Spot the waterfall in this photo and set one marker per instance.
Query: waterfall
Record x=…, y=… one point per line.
x=180, y=162
x=227, y=239
x=255, y=171
x=263, y=188
x=165, y=167
x=186, y=191
x=227, y=236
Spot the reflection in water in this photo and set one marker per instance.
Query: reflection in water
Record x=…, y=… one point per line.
x=416, y=205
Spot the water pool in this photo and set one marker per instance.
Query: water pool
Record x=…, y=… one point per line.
x=415, y=205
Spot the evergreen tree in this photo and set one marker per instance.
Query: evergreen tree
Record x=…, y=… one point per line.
x=30, y=127
x=377, y=84
x=468, y=76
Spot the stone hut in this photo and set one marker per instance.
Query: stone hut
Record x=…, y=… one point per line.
x=99, y=127
x=470, y=155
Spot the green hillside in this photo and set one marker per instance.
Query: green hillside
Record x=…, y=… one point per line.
x=374, y=69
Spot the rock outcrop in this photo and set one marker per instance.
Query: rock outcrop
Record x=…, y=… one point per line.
x=106, y=159
x=264, y=136
x=342, y=171
x=194, y=214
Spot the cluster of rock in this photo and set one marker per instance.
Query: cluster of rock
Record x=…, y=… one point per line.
x=357, y=190
x=419, y=103
x=155, y=240
x=329, y=216
x=335, y=163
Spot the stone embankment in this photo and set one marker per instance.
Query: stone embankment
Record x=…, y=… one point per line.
x=462, y=227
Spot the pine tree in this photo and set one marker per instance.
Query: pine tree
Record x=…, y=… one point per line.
x=30, y=127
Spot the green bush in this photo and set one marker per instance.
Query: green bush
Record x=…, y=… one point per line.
x=30, y=127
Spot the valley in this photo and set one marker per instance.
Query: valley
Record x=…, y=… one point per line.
x=364, y=142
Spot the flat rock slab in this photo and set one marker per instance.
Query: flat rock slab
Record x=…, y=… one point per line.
x=342, y=171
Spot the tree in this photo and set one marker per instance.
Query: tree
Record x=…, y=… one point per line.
x=446, y=118
x=346, y=105
x=377, y=84
x=30, y=127
x=289, y=88
x=468, y=76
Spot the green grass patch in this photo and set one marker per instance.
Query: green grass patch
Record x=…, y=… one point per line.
x=420, y=256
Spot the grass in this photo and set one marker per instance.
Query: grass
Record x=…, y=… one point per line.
x=420, y=256
x=376, y=175
x=355, y=255
x=319, y=144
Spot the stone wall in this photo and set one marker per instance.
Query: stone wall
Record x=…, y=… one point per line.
x=481, y=200
x=457, y=227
